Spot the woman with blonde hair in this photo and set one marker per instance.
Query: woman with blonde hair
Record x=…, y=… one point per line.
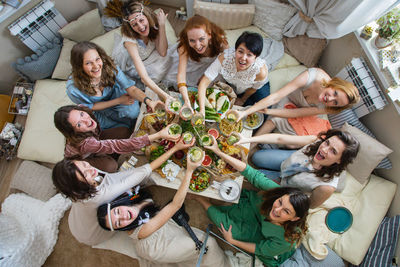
x=102, y=87
x=200, y=42
x=313, y=92
x=141, y=52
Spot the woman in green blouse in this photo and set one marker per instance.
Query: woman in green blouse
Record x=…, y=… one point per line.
x=268, y=223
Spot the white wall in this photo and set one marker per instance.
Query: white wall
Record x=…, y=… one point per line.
x=12, y=48
x=385, y=124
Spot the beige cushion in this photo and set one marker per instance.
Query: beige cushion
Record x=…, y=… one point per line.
x=84, y=28
x=368, y=203
x=370, y=154
x=271, y=16
x=106, y=41
x=280, y=77
x=305, y=49
x=226, y=16
x=63, y=68
x=41, y=141
x=233, y=35
x=35, y=180
x=287, y=61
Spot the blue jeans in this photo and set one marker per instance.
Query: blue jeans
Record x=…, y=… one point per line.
x=269, y=161
x=260, y=94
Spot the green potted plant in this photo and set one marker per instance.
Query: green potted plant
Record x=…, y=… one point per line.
x=389, y=29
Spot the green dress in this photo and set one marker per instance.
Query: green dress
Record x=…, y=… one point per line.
x=249, y=225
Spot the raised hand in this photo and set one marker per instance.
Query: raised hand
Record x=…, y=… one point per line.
x=153, y=104
x=214, y=147
x=242, y=140
x=181, y=145
x=161, y=17
x=191, y=166
x=227, y=234
x=164, y=134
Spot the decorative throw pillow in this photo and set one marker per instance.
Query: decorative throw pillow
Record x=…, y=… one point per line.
x=349, y=116
x=63, y=68
x=271, y=16
x=84, y=28
x=226, y=16
x=305, y=49
x=382, y=248
x=370, y=154
x=40, y=65
x=35, y=180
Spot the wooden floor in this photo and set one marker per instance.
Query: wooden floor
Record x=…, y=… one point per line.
x=8, y=168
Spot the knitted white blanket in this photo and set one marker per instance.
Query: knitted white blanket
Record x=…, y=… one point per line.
x=29, y=229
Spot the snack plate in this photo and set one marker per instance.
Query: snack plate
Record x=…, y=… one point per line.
x=339, y=219
x=259, y=123
x=194, y=89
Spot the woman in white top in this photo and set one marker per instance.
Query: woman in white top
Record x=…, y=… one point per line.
x=313, y=92
x=158, y=239
x=241, y=67
x=200, y=42
x=145, y=40
x=89, y=187
x=316, y=168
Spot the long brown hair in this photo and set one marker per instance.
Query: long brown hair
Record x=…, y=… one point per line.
x=326, y=173
x=218, y=36
x=347, y=87
x=294, y=230
x=81, y=79
x=132, y=7
x=62, y=124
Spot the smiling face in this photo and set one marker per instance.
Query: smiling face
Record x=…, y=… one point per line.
x=198, y=39
x=333, y=98
x=329, y=152
x=89, y=172
x=92, y=64
x=81, y=121
x=244, y=58
x=139, y=23
x=282, y=211
x=122, y=216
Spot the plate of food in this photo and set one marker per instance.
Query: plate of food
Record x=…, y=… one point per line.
x=200, y=181
x=253, y=121
x=217, y=103
x=227, y=128
x=238, y=152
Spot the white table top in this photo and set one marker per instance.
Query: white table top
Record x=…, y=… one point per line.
x=210, y=191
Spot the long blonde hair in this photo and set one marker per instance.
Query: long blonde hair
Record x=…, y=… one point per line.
x=81, y=79
x=347, y=87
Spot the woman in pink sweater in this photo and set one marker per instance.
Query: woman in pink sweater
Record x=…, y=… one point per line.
x=85, y=139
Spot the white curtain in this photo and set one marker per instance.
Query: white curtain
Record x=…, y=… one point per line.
x=333, y=19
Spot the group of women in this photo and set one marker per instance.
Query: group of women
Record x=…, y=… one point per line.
x=99, y=128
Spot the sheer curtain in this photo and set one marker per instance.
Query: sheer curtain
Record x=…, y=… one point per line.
x=333, y=19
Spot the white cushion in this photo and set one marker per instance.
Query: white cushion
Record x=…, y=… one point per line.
x=35, y=180
x=271, y=16
x=226, y=16
x=120, y=242
x=63, y=68
x=280, y=77
x=287, y=61
x=84, y=28
x=41, y=141
x=371, y=153
x=368, y=203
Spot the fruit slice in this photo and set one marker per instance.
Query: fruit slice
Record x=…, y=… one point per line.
x=207, y=161
x=213, y=132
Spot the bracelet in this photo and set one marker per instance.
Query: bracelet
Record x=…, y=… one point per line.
x=181, y=84
x=144, y=100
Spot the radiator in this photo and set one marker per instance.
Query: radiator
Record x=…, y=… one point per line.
x=372, y=97
x=39, y=25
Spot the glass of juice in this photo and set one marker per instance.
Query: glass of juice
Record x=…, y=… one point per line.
x=175, y=129
x=197, y=119
x=174, y=106
x=186, y=113
x=206, y=140
x=232, y=139
x=187, y=137
x=231, y=117
x=195, y=154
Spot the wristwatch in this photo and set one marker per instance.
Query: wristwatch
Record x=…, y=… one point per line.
x=144, y=100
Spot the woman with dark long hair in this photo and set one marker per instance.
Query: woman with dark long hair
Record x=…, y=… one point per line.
x=86, y=140
x=316, y=168
x=101, y=86
x=268, y=223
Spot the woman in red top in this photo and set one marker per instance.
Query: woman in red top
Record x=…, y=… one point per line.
x=85, y=139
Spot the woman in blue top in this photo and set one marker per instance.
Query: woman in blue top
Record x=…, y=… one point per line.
x=268, y=223
x=101, y=86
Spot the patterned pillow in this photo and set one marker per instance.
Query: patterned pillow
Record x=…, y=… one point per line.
x=40, y=65
x=348, y=115
x=382, y=248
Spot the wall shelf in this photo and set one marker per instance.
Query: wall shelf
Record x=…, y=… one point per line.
x=8, y=11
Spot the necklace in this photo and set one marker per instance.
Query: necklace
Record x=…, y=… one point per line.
x=96, y=85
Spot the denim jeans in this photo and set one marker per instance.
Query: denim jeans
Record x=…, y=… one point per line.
x=257, y=96
x=269, y=161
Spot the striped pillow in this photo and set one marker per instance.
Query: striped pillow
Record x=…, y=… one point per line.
x=382, y=248
x=348, y=115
